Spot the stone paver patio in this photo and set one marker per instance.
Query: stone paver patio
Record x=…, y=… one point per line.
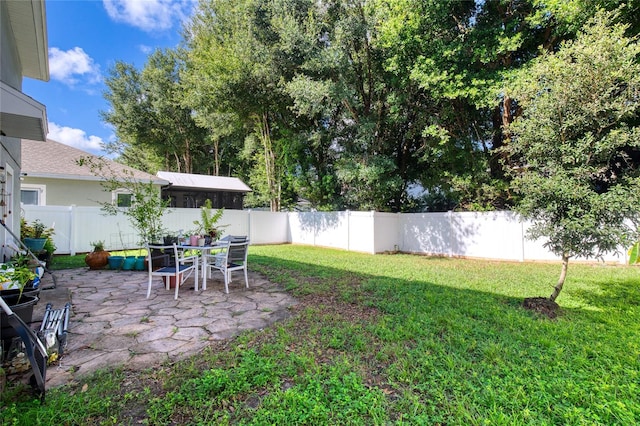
x=112, y=322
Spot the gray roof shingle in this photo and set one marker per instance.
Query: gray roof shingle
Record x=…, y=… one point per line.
x=53, y=159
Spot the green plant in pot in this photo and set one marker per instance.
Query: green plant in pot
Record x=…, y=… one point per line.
x=35, y=235
x=14, y=279
x=207, y=225
x=98, y=258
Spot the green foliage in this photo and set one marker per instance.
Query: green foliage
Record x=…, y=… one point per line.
x=17, y=276
x=380, y=339
x=634, y=253
x=147, y=206
x=208, y=220
x=299, y=97
x=576, y=142
x=35, y=229
x=153, y=129
x=97, y=245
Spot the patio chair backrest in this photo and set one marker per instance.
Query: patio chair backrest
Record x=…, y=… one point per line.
x=237, y=251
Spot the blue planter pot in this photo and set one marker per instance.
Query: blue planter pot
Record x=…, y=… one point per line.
x=129, y=263
x=35, y=244
x=115, y=262
x=140, y=263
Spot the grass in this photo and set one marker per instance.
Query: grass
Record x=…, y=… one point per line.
x=77, y=261
x=392, y=339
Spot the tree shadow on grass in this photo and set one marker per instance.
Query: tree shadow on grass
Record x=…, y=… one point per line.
x=619, y=294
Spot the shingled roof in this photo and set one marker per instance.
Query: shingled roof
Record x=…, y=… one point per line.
x=53, y=159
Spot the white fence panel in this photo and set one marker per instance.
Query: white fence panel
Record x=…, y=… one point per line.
x=534, y=250
x=58, y=217
x=302, y=228
x=427, y=233
x=495, y=235
x=268, y=227
x=387, y=235
x=332, y=229
x=362, y=231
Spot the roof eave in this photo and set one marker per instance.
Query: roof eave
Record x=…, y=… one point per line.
x=208, y=188
x=22, y=116
x=161, y=182
x=28, y=20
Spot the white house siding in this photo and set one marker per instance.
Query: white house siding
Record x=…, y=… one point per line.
x=67, y=192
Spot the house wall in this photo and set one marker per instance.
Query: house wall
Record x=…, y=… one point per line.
x=489, y=235
x=67, y=192
x=10, y=74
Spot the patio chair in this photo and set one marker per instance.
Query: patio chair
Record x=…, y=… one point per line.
x=232, y=258
x=180, y=266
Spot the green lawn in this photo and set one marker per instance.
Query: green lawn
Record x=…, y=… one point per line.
x=393, y=339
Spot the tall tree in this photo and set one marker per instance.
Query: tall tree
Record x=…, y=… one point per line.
x=578, y=143
x=148, y=117
x=233, y=68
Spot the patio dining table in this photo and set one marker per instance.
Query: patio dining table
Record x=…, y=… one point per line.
x=205, y=251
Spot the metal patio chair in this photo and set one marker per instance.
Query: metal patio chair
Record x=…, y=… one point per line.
x=178, y=269
x=232, y=258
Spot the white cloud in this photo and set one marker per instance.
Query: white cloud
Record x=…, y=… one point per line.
x=145, y=49
x=68, y=66
x=148, y=15
x=76, y=138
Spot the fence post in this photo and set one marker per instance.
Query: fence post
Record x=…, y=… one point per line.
x=450, y=214
x=348, y=230
x=249, y=225
x=72, y=230
x=522, y=236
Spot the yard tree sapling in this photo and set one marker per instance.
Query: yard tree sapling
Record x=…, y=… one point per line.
x=578, y=144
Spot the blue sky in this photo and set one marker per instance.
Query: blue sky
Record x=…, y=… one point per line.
x=86, y=38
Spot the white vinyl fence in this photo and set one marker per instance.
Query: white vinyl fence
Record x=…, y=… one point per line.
x=490, y=235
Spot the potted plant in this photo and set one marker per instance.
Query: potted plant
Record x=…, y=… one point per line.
x=98, y=258
x=207, y=225
x=21, y=275
x=46, y=255
x=34, y=235
x=14, y=279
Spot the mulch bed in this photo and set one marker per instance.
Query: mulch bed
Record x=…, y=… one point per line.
x=542, y=305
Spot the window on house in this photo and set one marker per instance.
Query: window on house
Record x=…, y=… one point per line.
x=123, y=200
x=29, y=197
x=32, y=195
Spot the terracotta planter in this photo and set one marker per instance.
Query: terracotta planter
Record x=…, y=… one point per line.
x=97, y=259
x=172, y=281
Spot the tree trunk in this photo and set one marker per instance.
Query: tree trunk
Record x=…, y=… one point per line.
x=273, y=181
x=563, y=274
x=216, y=157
